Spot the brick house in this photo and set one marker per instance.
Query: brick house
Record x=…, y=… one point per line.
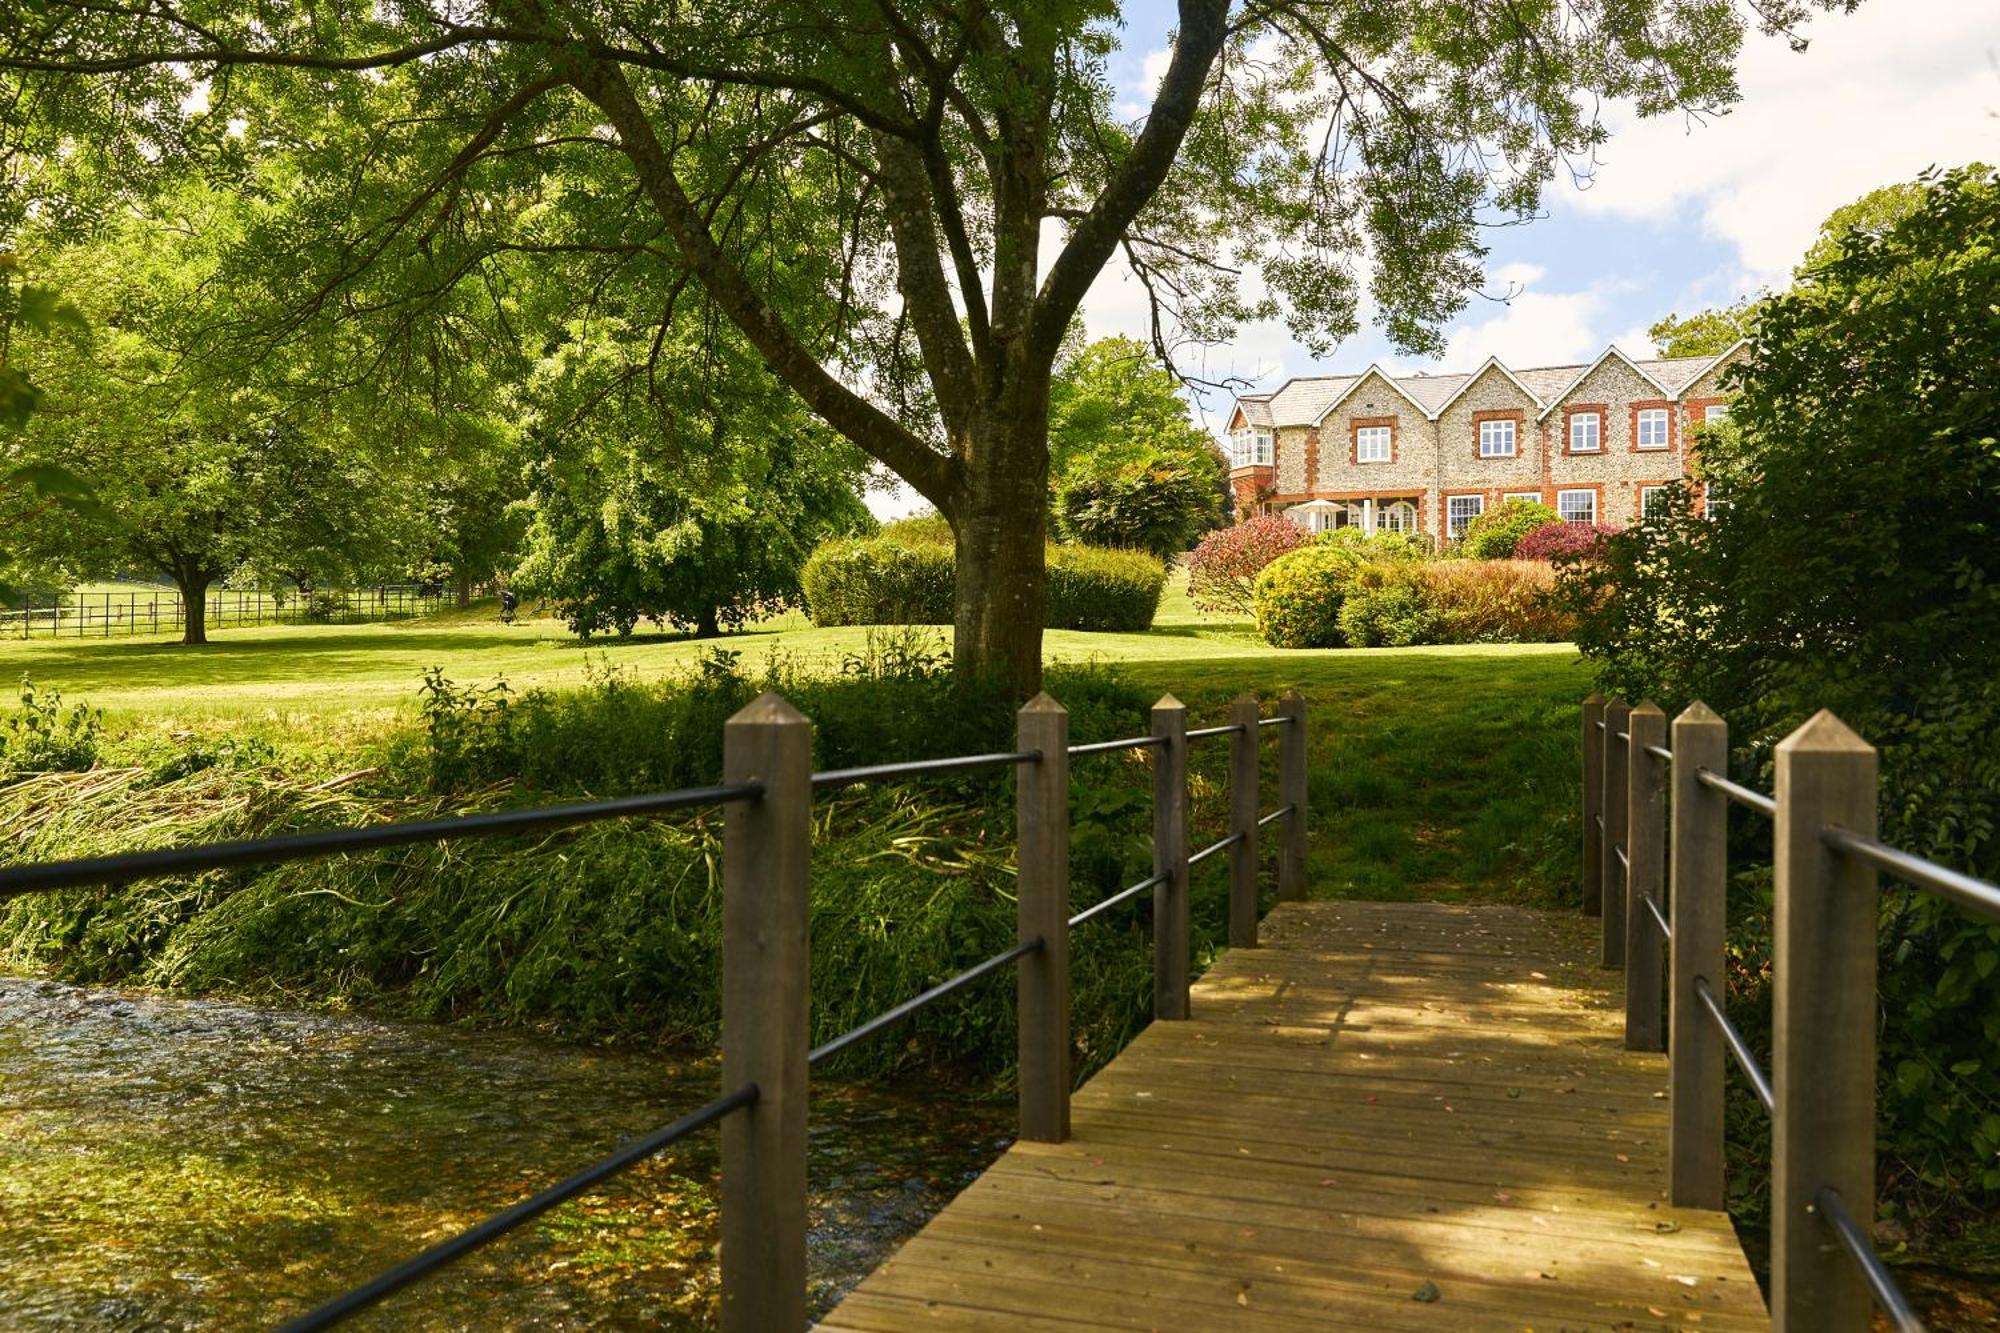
x=1426, y=454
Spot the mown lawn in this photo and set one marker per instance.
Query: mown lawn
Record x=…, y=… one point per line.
x=1436, y=772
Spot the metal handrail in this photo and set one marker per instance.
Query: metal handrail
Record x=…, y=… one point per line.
x=1203, y=733
x=1123, y=895
x=1213, y=848
x=1961, y=888
x=1625, y=736
x=1276, y=815
x=498, y=1225
x=1880, y=1282
x=128, y=866
x=1745, y=796
x=1659, y=917
x=1278, y=721
x=847, y=777
x=888, y=1018
x=1106, y=747
x=1660, y=752
x=1618, y=849
x=1759, y=1082
x=1599, y=724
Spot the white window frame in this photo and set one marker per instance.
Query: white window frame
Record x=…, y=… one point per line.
x=1562, y=500
x=1653, y=416
x=1596, y=420
x=1711, y=504
x=1368, y=437
x=1713, y=413
x=1456, y=523
x=1250, y=447
x=1645, y=495
x=1491, y=448
x=1397, y=516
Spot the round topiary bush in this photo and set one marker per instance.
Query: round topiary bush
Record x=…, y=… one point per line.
x=1298, y=596
x=1494, y=535
x=903, y=576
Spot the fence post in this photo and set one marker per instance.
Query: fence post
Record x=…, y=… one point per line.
x=1593, y=806
x=1823, y=1027
x=1700, y=868
x=1292, y=792
x=766, y=856
x=1042, y=911
x=1170, y=895
x=1616, y=774
x=1646, y=846
x=1243, y=823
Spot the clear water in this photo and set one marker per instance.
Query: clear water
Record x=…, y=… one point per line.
x=168, y=1163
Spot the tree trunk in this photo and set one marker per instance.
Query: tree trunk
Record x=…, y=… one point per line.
x=1000, y=595
x=464, y=588
x=194, y=608
x=708, y=625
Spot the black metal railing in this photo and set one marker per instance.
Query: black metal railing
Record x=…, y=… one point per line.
x=753, y=1297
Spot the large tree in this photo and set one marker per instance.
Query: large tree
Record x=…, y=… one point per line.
x=899, y=203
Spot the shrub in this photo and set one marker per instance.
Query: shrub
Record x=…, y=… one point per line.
x=1495, y=535
x=1154, y=503
x=1386, y=607
x=1494, y=601
x=904, y=577
x=920, y=530
x=1563, y=541
x=40, y=737
x=326, y=605
x=1091, y=588
x=1223, y=570
x=1299, y=596
x=1384, y=546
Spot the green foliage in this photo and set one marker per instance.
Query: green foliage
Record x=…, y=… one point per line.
x=1386, y=607
x=39, y=737
x=1705, y=332
x=1156, y=505
x=1851, y=562
x=904, y=576
x=1299, y=596
x=1392, y=547
x=1495, y=534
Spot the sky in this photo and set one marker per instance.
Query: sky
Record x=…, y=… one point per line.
x=1679, y=216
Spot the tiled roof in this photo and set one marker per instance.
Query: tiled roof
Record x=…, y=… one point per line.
x=1302, y=401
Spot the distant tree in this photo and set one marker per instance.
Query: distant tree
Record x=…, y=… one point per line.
x=691, y=497
x=1704, y=333
x=32, y=493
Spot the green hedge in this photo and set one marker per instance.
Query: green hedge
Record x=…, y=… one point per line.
x=1299, y=595
x=891, y=579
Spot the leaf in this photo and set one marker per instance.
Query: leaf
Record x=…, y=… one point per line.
x=1426, y=1292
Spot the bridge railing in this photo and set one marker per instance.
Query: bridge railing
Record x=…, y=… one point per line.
x=1655, y=866
x=767, y=796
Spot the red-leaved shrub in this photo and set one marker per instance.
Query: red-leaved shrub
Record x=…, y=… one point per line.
x=1558, y=541
x=1224, y=567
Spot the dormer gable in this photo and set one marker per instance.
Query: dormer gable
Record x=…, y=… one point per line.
x=1377, y=376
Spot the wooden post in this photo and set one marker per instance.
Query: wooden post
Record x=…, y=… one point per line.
x=1041, y=813
x=1823, y=1028
x=1593, y=806
x=1170, y=850
x=1646, y=846
x=1243, y=823
x=1700, y=863
x=1617, y=772
x=766, y=856
x=1292, y=792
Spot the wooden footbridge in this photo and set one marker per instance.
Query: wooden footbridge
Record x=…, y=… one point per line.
x=1363, y=1115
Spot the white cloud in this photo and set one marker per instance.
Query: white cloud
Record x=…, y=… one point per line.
x=1879, y=95
x=1535, y=327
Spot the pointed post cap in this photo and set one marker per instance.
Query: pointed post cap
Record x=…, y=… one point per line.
x=1042, y=703
x=1617, y=701
x=1647, y=708
x=1823, y=733
x=1698, y=714
x=1592, y=698
x=768, y=709
x=1168, y=701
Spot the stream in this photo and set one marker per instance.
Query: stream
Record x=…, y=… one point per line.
x=170, y=1163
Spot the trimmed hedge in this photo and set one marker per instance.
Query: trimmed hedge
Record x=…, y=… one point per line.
x=899, y=578
x=1299, y=596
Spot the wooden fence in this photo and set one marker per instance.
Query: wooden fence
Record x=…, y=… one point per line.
x=1655, y=866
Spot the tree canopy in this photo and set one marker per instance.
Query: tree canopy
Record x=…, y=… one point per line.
x=900, y=206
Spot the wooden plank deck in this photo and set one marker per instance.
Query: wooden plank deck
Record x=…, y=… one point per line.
x=1391, y=1116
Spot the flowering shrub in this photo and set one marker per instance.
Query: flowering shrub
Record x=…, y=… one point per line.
x=1494, y=601
x=1560, y=541
x=1223, y=569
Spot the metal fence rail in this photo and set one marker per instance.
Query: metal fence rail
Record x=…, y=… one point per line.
x=107, y=614
x=1821, y=1093
x=767, y=795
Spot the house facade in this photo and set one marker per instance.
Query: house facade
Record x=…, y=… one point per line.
x=1427, y=454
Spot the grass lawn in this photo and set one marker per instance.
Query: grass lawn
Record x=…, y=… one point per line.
x=1437, y=772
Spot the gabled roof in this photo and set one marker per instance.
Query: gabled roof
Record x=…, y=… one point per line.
x=1310, y=399
x=1377, y=371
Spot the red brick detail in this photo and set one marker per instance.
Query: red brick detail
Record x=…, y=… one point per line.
x=1603, y=413
x=1252, y=488
x=1673, y=431
x=1513, y=414
x=1312, y=457
x=1354, y=440
x=1697, y=412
